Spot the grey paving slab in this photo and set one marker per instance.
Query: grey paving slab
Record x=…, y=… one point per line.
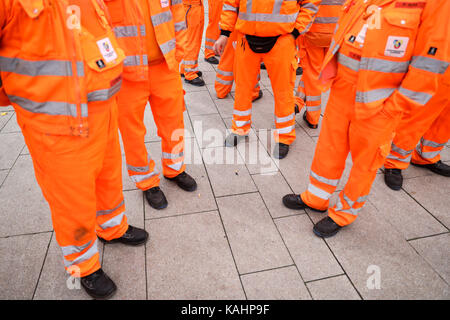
x=54, y=282
x=273, y=187
x=278, y=284
x=24, y=209
x=253, y=237
x=227, y=172
x=3, y=174
x=263, y=112
x=152, y=131
x=25, y=150
x=304, y=126
x=225, y=106
x=209, y=130
x=256, y=157
x=335, y=288
x=445, y=154
x=403, y=212
x=374, y=255
x=6, y=108
x=205, y=66
x=209, y=77
x=11, y=145
x=191, y=88
x=21, y=262
x=199, y=103
x=188, y=257
x=432, y=193
x=414, y=172
x=313, y=258
x=436, y=251
x=180, y=201
x=11, y=125
x=4, y=117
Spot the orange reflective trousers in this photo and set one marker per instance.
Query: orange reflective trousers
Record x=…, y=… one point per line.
x=368, y=141
x=281, y=63
x=225, y=70
x=81, y=178
x=195, y=21
x=164, y=91
x=212, y=31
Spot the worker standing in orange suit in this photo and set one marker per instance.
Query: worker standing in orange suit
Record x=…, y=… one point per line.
x=195, y=21
x=153, y=35
x=379, y=50
x=61, y=73
x=313, y=46
x=267, y=32
x=212, y=30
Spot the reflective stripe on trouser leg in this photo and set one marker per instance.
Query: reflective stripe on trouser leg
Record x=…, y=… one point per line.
x=345, y=207
x=225, y=74
x=281, y=64
x=398, y=158
x=195, y=22
x=212, y=31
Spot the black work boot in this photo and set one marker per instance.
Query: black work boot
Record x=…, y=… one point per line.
x=156, y=198
x=184, y=181
x=233, y=139
x=299, y=71
x=132, y=237
x=263, y=66
x=98, y=285
x=326, y=228
x=296, y=109
x=312, y=126
x=294, y=201
x=199, y=73
x=260, y=95
x=393, y=178
x=439, y=168
x=196, y=82
x=280, y=150
x=212, y=60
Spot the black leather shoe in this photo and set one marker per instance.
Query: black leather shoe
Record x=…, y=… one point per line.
x=199, y=73
x=212, y=60
x=184, y=181
x=438, y=168
x=294, y=201
x=393, y=178
x=260, y=95
x=312, y=126
x=280, y=150
x=132, y=237
x=296, y=109
x=156, y=198
x=98, y=285
x=299, y=71
x=233, y=139
x=263, y=66
x=326, y=228
x=196, y=82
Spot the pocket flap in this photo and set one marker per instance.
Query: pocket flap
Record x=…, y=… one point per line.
x=33, y=8
x=404, y=20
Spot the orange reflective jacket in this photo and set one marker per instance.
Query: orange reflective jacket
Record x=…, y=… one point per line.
x=267, y=18
x=52, y=66
x=168, y=18
x=400, y=52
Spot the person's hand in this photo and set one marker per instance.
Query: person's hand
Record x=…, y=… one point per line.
x=220, y=44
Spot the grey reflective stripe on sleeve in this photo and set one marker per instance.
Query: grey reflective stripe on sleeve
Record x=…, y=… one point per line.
x=311, y=109
x=326, y=20
x=311, y=7
x=172, y=156
x=179, y=26
x=394, y=157
x=85, y=256
x=113, y=222
x=429, y=64
x=330, y=182
x=227, y=7
x=430, y=143
x=400, y=151
x=126, y=31
x=240, y=124
x=210, y=40
x=104, y=94
x=40, y=68
x=175, y=2
x=417, y=96
x=168, y=46
x=242, y=113
x=332, y=2
x=48, y=107
x=138, y=169
x=68, y=250
x=285, y=130
x=209, y=47
x=224, y=82
x=161, y=18
x=318, y=192
x=267, y=17
x=373, y=95
x=284, y=119
x=313, y=98
x=381, y=65
x=348, y=62
x=140, y=178
x=225, y=73
x=109, y=211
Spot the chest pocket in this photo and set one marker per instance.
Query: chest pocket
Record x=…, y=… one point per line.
x=116, y=10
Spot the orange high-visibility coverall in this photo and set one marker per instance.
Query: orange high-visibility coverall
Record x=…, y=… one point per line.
x=225, y=71
x=377, y=54
x=153, y=37
x=267, y=18
x=430, y=124
x=195, y=21
x=61, y=77
x=312, y=49
x=212, y=30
